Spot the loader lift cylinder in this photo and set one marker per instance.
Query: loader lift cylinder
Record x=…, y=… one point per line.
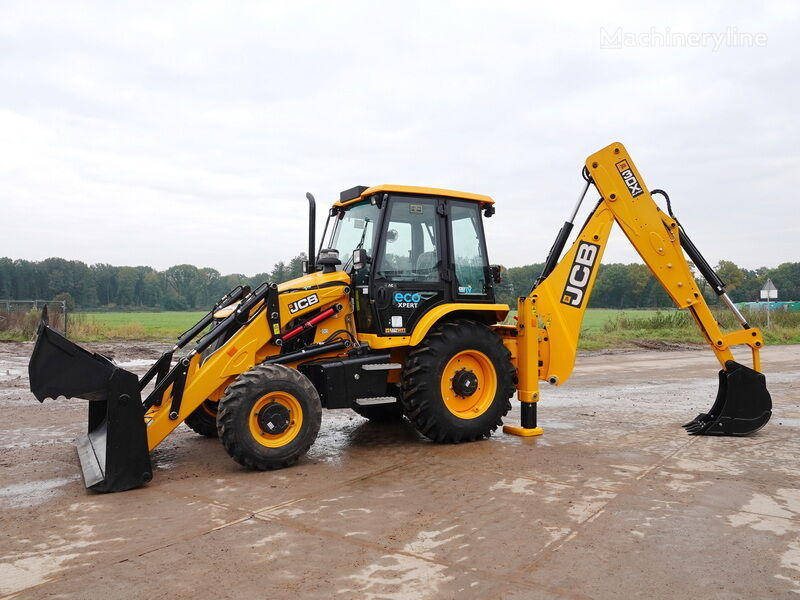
x=234, y=295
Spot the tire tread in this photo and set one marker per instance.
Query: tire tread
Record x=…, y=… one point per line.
x=248, y=385
x=419, y=374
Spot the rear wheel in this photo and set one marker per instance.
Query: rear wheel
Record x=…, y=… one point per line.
x=204, y=419
x=269, y=417
x=457, y=382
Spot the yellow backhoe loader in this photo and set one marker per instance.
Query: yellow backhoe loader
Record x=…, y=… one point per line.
x=407, y=326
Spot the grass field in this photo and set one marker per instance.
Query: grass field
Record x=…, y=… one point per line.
x=172, y=324
x=596, y=318
x=151, y=324
x=608, y=328
x=602, y=328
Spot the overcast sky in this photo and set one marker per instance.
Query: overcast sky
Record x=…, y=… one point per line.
x=167, y=132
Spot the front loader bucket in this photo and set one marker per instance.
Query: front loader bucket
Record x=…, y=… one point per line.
x=743, y=404
x=114, y=453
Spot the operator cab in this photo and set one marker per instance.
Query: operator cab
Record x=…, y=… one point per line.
x=409, y=249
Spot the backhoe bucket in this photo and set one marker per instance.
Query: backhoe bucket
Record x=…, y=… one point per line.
x=743, y=404
x=114, y=453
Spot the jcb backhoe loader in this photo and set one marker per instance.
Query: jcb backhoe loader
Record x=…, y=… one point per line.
x=407, y=326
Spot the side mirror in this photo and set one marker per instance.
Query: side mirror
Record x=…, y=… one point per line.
x=496, y=272
x=360, y=258
x=305, y=267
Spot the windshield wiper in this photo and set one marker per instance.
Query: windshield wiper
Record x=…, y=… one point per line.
x=363, y=235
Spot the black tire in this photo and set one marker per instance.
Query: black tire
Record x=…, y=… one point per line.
x=423, y=374
x=381, y=413
x=204, y=419
x=236, y=417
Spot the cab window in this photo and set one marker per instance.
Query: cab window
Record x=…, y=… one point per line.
x=355, y=228
x=469, y=254
x=411, y=250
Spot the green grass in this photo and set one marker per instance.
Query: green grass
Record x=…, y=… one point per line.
x=155, y=324
x=599, y=329
x=160, y=325
x=608, y=328
x=596, y=318
x=602, y=328
x=98, y=326
x=132, y=325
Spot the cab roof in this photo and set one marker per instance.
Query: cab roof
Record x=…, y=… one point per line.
x=358, y=193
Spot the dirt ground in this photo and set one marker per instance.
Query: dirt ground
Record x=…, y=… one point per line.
x=613, y=501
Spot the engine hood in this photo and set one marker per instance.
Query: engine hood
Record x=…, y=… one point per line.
x=311, y=281
x=314, y=280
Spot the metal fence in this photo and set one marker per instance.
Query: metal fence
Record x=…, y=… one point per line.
x=791, y=305
x=21, y=317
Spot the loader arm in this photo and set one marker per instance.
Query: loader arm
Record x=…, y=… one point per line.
x=550, y=317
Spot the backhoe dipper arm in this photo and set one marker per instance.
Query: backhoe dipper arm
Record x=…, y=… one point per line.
x=549, y=319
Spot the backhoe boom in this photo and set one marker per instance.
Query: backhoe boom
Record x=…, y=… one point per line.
x=550, y=317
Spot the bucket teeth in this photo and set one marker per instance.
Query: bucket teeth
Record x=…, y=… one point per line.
x=698, y=419
x=697, y=426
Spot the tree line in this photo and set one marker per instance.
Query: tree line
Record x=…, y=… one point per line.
x=186, y=287
x=633, y=286
x=84, y=287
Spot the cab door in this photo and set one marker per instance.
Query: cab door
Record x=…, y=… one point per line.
x=408, y=267
x=470, y=262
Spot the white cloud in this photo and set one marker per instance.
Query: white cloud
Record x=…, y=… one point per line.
x=189, y=132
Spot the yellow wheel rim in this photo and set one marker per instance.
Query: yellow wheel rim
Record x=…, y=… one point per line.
x=276, y=440
x=472, y=374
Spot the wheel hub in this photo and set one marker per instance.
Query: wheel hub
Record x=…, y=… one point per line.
x=274, y=418
x=465, y=382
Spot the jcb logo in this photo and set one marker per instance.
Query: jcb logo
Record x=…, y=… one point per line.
x=629, y=178
x=303, y=303
x=579, y=274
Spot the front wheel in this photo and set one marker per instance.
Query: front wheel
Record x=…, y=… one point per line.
x=269, y=417
x=203, y=419
x=457, y=382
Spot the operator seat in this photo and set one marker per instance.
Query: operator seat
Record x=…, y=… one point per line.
x=427, y=267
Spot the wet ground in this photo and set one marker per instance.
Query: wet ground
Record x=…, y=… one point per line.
x=613, y=501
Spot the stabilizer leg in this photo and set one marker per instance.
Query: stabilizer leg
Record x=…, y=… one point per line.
x=528, y=427
x=527, y=372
